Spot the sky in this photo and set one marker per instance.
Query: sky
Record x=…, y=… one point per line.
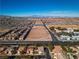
x=40, y=7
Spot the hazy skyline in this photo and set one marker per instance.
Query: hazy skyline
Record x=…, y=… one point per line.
x=40, y=7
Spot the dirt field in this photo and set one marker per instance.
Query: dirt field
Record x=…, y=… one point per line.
x=58, y=54
x=62, y=20
x=65, y=26
x=3, y=30
x=39, y=33
x=57, y=49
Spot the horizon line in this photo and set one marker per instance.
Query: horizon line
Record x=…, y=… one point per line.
x=41, y=16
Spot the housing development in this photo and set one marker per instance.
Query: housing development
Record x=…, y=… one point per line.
x=39, y=38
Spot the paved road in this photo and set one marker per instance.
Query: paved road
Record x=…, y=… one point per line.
x=48, y=56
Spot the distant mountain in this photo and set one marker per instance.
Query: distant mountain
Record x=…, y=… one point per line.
x=39, y=16
x=33, y=16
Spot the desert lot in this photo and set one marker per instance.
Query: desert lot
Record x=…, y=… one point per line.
x=65, y=26
x=3, y=30
x=39, y=33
